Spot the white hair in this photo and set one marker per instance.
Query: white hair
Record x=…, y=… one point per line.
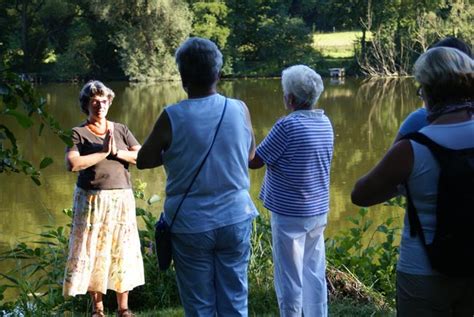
x=303, y=83
x=441, y=64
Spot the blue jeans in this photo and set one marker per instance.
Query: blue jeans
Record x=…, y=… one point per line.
x=211, y=270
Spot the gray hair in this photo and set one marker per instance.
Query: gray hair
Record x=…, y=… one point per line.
x=303, y=83
x=199, y=61
x=91, y=89
x=442, y=64
x=446, y=75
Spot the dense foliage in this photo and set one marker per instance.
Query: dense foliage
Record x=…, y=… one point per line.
x=22, y=106
x=403, y=29
x=135, y=40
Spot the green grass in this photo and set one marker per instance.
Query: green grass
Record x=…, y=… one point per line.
x=336, y=44
x=337, y=308
x=348, y=308
x=359, y=285
x=176, y=312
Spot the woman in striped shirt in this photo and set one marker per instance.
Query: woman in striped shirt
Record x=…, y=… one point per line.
x=298, y=152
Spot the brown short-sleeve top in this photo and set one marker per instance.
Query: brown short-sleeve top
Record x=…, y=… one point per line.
x=110, y=173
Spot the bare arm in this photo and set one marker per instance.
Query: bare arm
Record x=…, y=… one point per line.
x=380, y=184
x=76, y=162
x=150, y=154
x=249, y=125
x=130, y=155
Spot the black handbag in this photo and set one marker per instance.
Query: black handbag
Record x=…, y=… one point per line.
x=163, y=246
x=163, y=243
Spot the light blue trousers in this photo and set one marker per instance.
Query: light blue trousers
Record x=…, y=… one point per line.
x=211, y=270
x=299, y=259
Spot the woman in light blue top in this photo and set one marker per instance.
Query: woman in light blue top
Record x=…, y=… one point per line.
x=446, y=76
x=211, y=233
x=297, y=153
x=417, y=119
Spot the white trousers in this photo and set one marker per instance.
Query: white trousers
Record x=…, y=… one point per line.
x=299, y=259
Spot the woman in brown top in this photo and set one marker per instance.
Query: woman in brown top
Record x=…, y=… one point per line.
x=104, y=246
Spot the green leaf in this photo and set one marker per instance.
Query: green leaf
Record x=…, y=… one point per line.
x=41, y=127
x=140, y=211
x=11, y=279
x=10, y=136
x=47, y=234
x=21, y=118
x=66, y=139
x=46, y=162
x=363, y=212
x=36, y=180
x=67, y=212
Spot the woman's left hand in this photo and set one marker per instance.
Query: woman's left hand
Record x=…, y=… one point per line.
x=113, y=150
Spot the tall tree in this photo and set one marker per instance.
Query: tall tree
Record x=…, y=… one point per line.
x=146, y=34
x=210, y=20
x=403, y=29
x=265, y=37
x=36, y=24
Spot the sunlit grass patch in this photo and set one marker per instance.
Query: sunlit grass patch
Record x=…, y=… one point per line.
x=337, y=44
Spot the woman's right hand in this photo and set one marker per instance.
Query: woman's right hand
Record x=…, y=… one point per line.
x=76, y=162
x=108, y=142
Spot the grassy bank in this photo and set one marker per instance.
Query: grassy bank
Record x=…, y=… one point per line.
x=361, y=277
x=337, y=308
x=337, y=44
x=337, y=50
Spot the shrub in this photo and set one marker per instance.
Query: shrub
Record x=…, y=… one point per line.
x=374, y=264
x=357, y=272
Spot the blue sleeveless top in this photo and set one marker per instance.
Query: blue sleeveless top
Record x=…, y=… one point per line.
x=219, y=196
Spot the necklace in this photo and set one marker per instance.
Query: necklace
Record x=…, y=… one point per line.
x=93, y=128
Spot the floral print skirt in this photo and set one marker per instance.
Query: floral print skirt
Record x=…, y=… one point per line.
x=104, y=246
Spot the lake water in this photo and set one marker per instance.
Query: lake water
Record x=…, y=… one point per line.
x=365, y=116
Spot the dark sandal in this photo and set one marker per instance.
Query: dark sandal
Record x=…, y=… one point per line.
x=98, y=313
x=125, y=313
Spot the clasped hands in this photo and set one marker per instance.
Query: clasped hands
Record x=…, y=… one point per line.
x=110, y=146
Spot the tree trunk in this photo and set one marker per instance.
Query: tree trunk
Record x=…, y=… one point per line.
x=363, y=43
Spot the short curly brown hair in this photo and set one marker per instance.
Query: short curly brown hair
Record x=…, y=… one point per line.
x=91, y=89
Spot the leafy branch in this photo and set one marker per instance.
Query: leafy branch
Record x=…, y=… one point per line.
x=20, y=100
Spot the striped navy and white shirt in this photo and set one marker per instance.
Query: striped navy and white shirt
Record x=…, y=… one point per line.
x=298, y=152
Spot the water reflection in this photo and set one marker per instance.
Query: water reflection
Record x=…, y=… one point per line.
x=365, y=115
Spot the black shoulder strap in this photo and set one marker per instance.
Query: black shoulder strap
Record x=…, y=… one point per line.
x=435, y=148
x=443, y=155
x=413, y=219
